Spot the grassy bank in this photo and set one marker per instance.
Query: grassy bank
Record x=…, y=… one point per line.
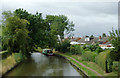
x=87, y=66
x=10, y=62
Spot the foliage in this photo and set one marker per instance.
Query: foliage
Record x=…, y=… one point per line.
x=93, y=48
x=37, y=27
x=103, y=35
x=88, y=56
x=15, y=34
x=44, y=32
x=75, y=49
x=19, y=57
x=99, y=49
x=59, y=24
x=101, y=59
x=115, y=40
x=64, y=46
x=84, y=47
x=115, y=66
x=91, y=36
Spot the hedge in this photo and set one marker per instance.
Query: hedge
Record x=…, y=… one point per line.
x=101, y=59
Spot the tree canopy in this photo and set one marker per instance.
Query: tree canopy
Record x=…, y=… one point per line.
x=15, y=34
x=23, y=31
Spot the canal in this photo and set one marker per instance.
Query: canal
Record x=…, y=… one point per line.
x=41, y=65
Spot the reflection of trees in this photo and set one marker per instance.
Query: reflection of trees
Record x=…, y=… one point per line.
x=40, y=65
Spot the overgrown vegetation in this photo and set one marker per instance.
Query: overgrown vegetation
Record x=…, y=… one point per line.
x=75, y=49
x=23, y=32
x=93, y=48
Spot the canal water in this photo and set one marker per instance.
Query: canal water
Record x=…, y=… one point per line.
x=42, y=65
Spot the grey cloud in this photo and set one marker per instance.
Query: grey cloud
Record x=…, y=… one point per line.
x=89, y=17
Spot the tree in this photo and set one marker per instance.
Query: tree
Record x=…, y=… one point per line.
x=45, y=32
x=37, y=27
x=103, y=35
x=115, y=40
x=91, y=36
x=59, y=24
x=15, y=34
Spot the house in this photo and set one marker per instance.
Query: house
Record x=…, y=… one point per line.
x=102, y=41
x=88, y=40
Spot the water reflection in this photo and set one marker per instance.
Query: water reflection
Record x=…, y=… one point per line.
x=41, y=65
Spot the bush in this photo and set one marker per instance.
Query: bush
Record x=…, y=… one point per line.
x=115, y=66
x=84, y=47
x=115, y=55
x=19, y=57
x=64, y=46
x=99, y=49
x=88, y=56
x=75, y=49
x=93, y=48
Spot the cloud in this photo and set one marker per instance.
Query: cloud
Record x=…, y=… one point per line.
x=89, y=17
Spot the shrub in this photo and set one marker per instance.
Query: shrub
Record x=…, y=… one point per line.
x=88, y=56
x=93, y=48
x=84, y=47
x=64, y=46
x=19, y=57
x=99, y=49
x=115, y=66
x=115, y=55
x=75, y=49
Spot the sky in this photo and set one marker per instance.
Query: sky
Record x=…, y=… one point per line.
x=91, y=17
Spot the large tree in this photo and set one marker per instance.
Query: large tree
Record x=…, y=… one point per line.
x=36, y=27
x=59, y=25
x=15, y=34
x=45, y=32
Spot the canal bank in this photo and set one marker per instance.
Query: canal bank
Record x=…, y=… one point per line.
x=89, y=72
x=73, y=64
x=41, y=65
x=10, y=62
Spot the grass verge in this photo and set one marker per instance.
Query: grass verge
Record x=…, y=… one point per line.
x=91, y=65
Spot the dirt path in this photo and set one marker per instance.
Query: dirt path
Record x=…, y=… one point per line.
x=87, y=67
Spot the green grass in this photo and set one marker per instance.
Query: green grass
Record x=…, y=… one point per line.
x=92, y=65
x=89, y=72
x=8, y=63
